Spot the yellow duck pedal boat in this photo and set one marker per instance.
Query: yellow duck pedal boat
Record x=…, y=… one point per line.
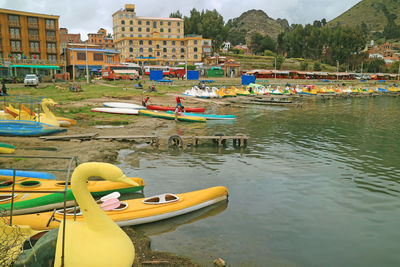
x=136, y=211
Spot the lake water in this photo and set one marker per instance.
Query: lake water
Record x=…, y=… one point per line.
x=316, y=186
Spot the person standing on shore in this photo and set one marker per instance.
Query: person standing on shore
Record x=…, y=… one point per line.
x=144, y=101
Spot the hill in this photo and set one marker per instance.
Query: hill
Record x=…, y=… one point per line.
x=253, y=21
x=373, y=13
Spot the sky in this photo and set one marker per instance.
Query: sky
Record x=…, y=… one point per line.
x=86, y=16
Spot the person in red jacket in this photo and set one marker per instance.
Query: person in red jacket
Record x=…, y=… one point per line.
x=144, y=101
x=179, y=107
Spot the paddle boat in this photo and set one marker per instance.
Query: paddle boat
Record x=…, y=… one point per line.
x=27, y=128
x=135, y=211
x=122, y=105
x=122, y=111
x=96, y=240
x=171, y=116
x=207, y=116
x=29, y=202
x=6, y=148
x=164, y=108
x=7, y=174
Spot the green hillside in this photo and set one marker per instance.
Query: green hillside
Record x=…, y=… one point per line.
x=370, y=12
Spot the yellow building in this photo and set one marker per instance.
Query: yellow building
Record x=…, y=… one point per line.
x=162, y=38
x=29, y=41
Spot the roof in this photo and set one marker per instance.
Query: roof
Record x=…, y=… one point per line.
x=31, y=14
x=95, y=50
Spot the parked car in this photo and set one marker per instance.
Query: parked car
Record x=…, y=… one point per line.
x=31, y=80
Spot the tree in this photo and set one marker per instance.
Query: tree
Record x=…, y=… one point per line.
x=394, y=68
x=317, y=66
x=176, y=14
x=279, y=62
x=303, y=65
x=260, y=43
x=376, y=66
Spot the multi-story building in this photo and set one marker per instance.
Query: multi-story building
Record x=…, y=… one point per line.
x=100, y=38
x=96, y=58
x=65, y=38
x=28, y=40
x=161, y=39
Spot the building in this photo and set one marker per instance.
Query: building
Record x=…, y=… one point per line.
x=97, y=57
x=29, y=42
x=100, y=38
x=65, y=38
x=160, y=40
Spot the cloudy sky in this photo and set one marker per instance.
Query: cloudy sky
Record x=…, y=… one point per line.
x=84, y=16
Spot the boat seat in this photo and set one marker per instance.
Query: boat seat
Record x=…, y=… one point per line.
x=161, y=199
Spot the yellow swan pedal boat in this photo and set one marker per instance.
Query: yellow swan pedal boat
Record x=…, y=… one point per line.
x=137, y=211
x=37, y=202
x=6, y=148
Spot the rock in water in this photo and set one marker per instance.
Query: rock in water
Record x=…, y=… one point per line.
x=220, y=262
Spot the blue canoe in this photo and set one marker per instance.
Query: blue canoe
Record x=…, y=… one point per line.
x=27, y=128
x=31, y=174
x=208, y=116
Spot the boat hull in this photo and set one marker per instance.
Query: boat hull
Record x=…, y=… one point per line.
x=165, y=108
x=208, y=116
x=170, y=116
x=136, y=211
x=6, y=148
x=121, y=111
x=27, y=128
x=122, y=105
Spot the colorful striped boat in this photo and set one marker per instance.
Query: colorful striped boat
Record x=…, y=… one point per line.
x=164, y=115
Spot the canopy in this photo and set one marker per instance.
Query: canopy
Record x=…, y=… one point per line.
x=36, y=67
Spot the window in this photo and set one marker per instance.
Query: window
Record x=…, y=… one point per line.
x=161, y=30
x=165, y=56
x=182, y=56
x=161, y=23
x=147, y=29
x=32, y=21
x=139, y=35
x=195, y=56
x=150, y=42
x=182, y=43
x=16, y=44
x=154, y=24
x=122, y=35
x=139, y=22
x=33, y=32
x=195, y=49
x=195, y=42
x=52, y=57
x=130, y=42
x=158, y=46
x=182, y=50
x=164, y=42
x=141, y=42
x=81, y=56
x=13, y=18
x=179, y=30
x=164, y=50
x=131, y=29
x=150, y=50
x=158, y=54
x=123, y=29
x=179, y=24
x=169, y=30
x=139, y=29
x=130, y=49
x=131, y=22
x=123, y=22
x=98, y=57
x=14, y=32
x=174, y=57
x=131, y=35
x=173, y=42
x=169, y=23
x=141, y=50
x=147, y=22
x=173, y=50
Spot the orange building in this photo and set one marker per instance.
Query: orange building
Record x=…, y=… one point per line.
x=65, y=38
x=29, y=42
x=100, y=38
x=96, y=58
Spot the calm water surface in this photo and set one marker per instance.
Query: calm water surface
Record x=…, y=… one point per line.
x=317, y=186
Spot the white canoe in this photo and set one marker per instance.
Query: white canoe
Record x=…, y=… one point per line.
x=122, y=105
x=125, y=111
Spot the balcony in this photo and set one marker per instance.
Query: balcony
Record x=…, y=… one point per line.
x=15, y=36
x=16, y=49
x=32, y=61
x=34, y=37
x=13, y=23
x=35, y=49
x=50, y=27
x=51, y=38
x=33, y=25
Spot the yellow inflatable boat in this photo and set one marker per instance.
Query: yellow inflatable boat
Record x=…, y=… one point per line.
x=36, y=202
x=135, y=211
x=6, y=148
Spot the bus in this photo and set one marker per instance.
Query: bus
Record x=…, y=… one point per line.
x=124, y=71
x=165, y=69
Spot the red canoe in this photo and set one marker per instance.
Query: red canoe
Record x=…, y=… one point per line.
x=164, y=108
